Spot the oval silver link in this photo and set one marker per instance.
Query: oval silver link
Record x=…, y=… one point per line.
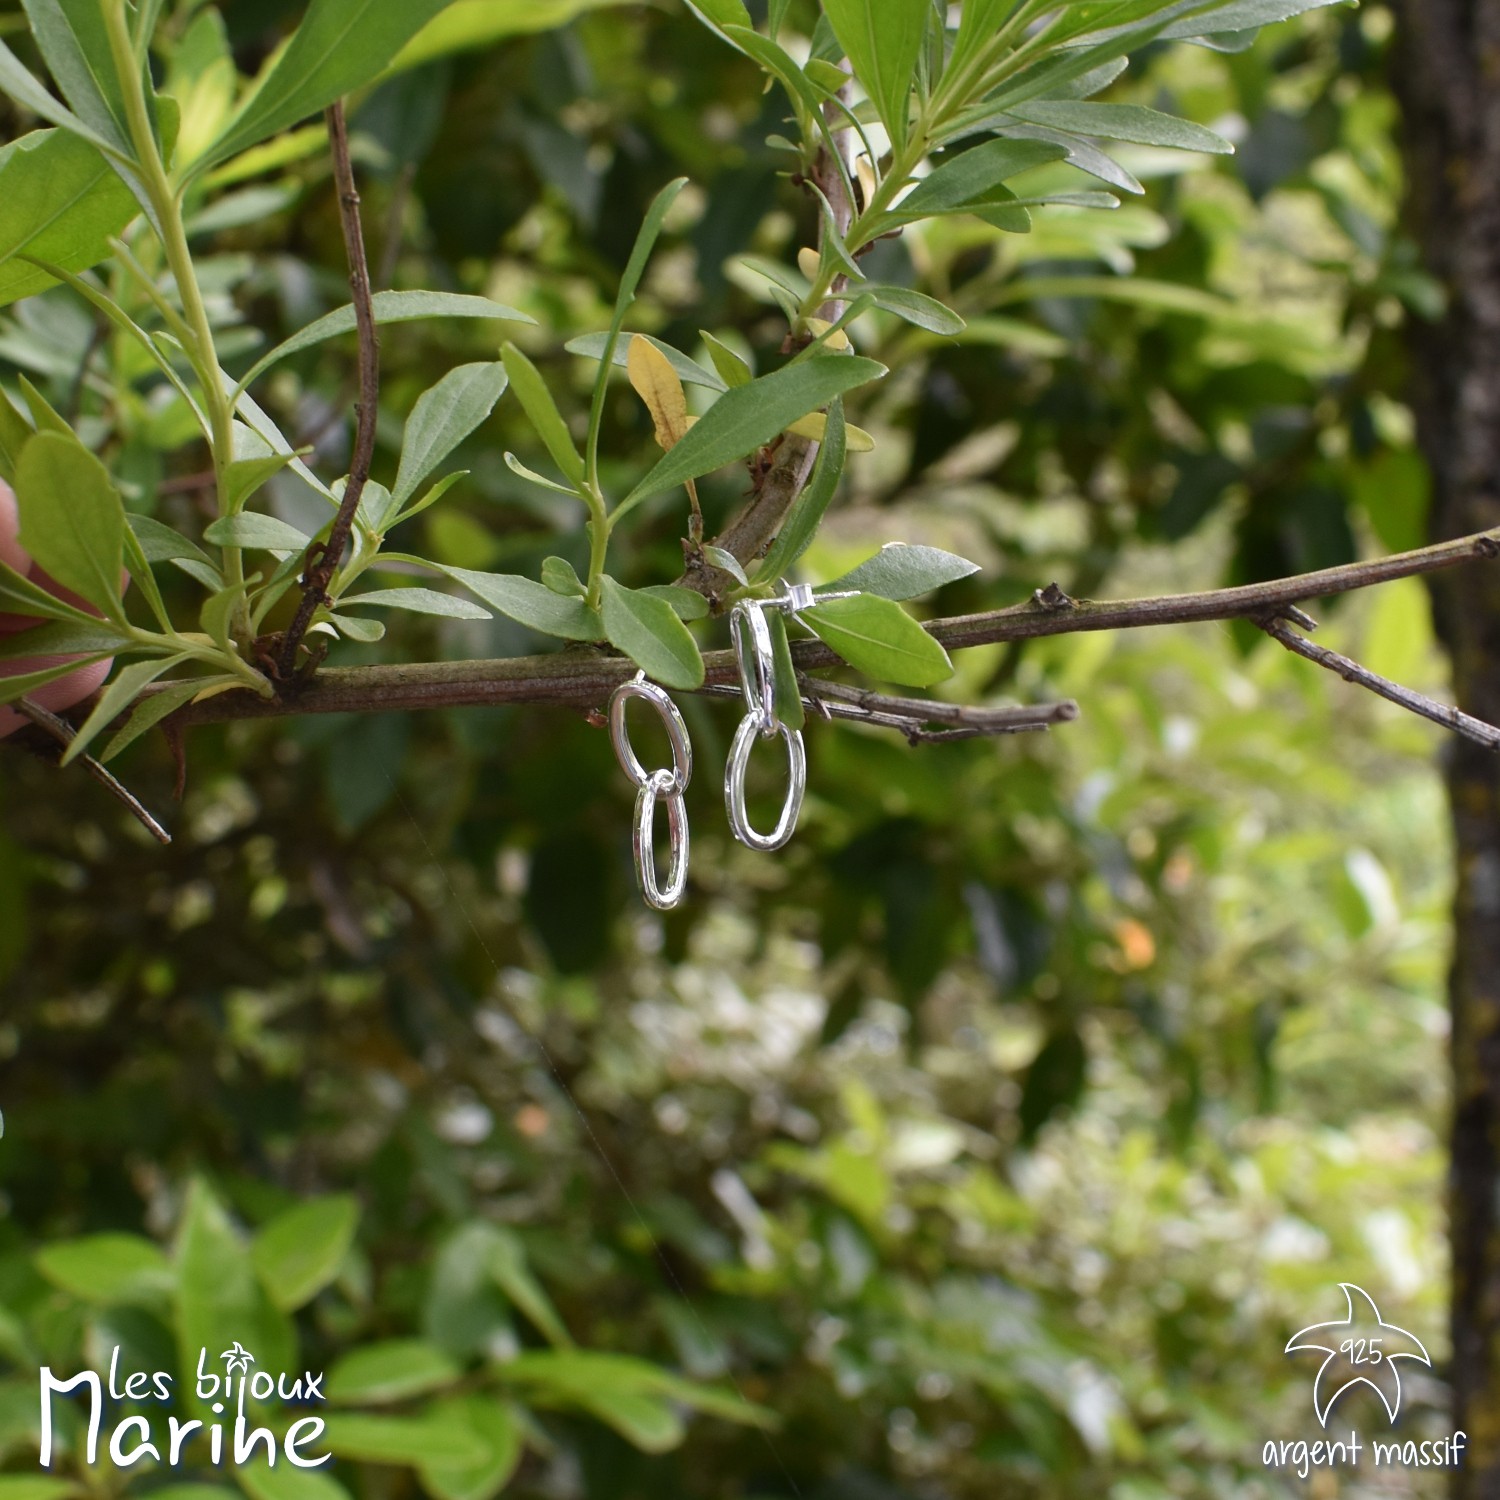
x=661, y=784
x=619, y=732
x=734, y=786
x=756, y=664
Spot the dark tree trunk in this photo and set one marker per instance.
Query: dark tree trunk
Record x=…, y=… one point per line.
x=1446, y=72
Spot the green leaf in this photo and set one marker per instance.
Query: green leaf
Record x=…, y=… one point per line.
x=576, y=1373
x=15, y=433
x=18, y=686
x=21, y=596
x=220, y=1301
x=152, y=710
x=720, y=557
x=561, y=577
x=358, y=629
x=71, y=36
x=536, y=401
x=744, y=418
x=478, y=23
x=443, y=417
x=46, y=418
x=123, y=689
x=300, y=1251
x=217, y=615
x=635, y=267
x=1241, y=15
x=21, y=86
x=440, y=1439
x=59, y=201
x=914, y=307
x=139, y=568
x=89, y=637
x=160, y=543
x=648, y=631
x=419, y=601
x=721, y=13
x=499, y=1428
x=72, y=521
x=687, y=604
x=531, y=476
x=507, y=1265
x=883, y=40
x=37, y=1487
x=788, y=690
x=732, y=369
x=1122, y=122
x=285, y=1482
x=245, y=476
x=390, y=1371
x=591, y=346
x=340, y=46
x=433, y=495
x=971, y=176
x=108, y=1269
x=251, y=529
x=1141, y=291
x=806, y=514
x=880, y=639
x=388, y=307
x=533, y=604
x=260, y=423
x=901, y=572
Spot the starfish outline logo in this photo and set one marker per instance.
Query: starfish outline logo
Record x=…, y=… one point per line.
x=1359, y=1353
x=238, y=1358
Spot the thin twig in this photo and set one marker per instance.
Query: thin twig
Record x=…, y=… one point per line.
x=835, y=700
x=1351, y=671
x=323, y=558
x=64, y=733
x=932, y=711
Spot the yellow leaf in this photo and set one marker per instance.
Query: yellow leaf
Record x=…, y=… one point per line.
x=838, y=339
x=866, y=174
x=856, y=439
x=808, y=262
x=214, y=689
x=657, y=384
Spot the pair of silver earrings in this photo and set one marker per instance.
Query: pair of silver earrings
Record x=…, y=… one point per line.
x=757, y=668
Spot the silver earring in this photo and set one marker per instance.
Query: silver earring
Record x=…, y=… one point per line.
x=664, y=784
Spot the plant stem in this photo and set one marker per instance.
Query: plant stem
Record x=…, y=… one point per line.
x=167, y=208
x=599, y=527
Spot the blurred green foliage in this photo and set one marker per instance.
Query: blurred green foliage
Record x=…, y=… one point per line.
x=991, y=1138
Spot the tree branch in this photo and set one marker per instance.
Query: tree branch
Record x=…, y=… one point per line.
x=63, y=734
x=751, y=532
x=837, y=700
x=324, y=557
x=1351, y=671
x=583, y=677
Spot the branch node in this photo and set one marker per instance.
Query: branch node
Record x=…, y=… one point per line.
x=1052, y=598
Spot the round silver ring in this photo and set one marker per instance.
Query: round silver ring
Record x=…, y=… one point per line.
x=758, y=685
x=734, y=785
x=619, y=733
x=661, y=784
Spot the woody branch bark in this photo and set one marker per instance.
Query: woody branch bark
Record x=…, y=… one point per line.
x=583, y=677
x=754, y=528
x=323, y=558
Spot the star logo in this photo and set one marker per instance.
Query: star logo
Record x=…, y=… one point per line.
x=1360, y=1349
x=238, y=1358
